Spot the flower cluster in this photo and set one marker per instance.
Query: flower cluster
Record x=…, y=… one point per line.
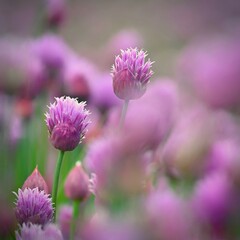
x=164, y=166
x=34, y=210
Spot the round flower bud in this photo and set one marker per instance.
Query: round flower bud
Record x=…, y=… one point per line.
x=67, y=122
x=77, y=184
x=33, y=206
x=131, y=74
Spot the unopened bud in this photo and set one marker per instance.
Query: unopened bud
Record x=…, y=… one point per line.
x=36, y=180
x=76, y=184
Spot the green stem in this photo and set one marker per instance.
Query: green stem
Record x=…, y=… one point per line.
x=74, y=218
x=124, y=112
x=55, y=183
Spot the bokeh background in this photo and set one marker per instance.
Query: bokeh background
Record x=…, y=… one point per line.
x=165, y=26
x=178, y=35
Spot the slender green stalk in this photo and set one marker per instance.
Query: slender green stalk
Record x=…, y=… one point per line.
x=124, y=112
x=55, y=183
x=74, y=218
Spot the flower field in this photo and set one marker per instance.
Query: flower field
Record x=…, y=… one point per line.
x=120, y=120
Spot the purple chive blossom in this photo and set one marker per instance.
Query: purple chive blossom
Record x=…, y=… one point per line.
x=131, y=74
x=67, y=121
x=33, y=206
x=37, y=232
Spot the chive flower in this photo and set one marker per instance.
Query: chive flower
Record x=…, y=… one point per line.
x=131, y=74
x=33, y=206
x=67, y=121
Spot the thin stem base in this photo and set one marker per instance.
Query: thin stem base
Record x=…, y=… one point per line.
x=56, y=181
x=74, y=218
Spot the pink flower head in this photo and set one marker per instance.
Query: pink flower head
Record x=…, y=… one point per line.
x=51, y=50
x=67, y=122
x=33, y=206
x=168, y=215
x=213, y=199
x=131, y=74
x=211, y=68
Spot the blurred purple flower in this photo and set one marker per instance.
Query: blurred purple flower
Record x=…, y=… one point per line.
x=64, y=220
x=56, y=11
x=16, y=129
x=109, y=156
x=108, y=229
x=211, y=68
x=100, y=159
x=29, y=232
x=102, y=95
x=189, y=142
x=224, y=157
x=150, y=119
x=52, y=232
x=213, y=200
x=131, y=74
x=78, y=75
x=21, y=71
x=227, y=126
x=104, y=153
x=67, y=121
x=51, y=50
x=224, y=154
x=37, y=232
x=33, y=206
x=115, y=167
x=168, y=216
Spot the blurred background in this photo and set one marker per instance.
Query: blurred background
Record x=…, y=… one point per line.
x=165, y=26
x=67, y=47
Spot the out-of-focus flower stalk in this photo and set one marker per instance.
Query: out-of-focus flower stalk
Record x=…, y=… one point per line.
x=124, y=112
